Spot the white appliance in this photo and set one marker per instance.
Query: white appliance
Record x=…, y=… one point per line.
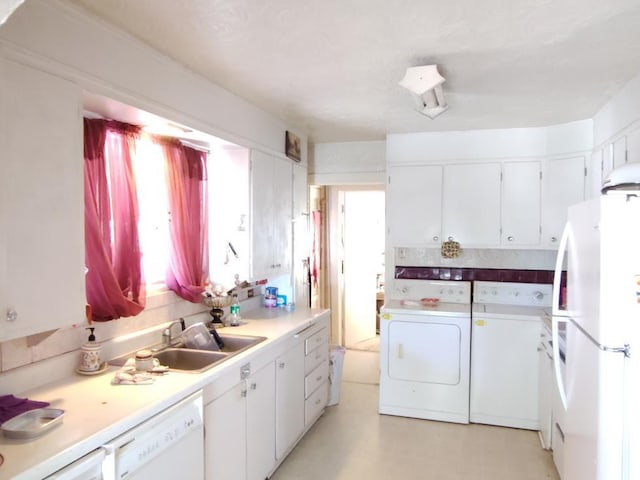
x=168, y=445
x=546, y=384
x=506, y=326
x=88, y=467
x=600, y=384
x=424, y=351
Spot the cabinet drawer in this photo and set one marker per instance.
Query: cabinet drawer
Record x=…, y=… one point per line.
x=319, y=375
x=315, y=358
x=315, y=340
x=316, y=403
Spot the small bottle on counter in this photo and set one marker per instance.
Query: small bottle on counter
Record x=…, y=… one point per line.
x=234, y=311
x=90, y=354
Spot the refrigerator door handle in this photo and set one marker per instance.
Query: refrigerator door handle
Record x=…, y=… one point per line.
x=557, y=274
x=626, y=349
x=556, y=359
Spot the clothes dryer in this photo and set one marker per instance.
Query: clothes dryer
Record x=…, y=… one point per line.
x=425, y=350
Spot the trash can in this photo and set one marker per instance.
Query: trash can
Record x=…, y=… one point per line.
x=336, y=362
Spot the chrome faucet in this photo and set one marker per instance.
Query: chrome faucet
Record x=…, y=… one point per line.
x=167, y=339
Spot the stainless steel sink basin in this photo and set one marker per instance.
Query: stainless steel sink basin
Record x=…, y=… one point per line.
x=238, y=343
x=180, y=358
x=189, y=360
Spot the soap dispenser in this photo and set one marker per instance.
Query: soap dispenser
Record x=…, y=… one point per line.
x=90, y=354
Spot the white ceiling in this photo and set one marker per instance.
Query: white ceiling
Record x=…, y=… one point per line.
x=332, y=67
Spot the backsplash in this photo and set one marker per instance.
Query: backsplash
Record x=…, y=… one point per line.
x=495, y=265
x=469, y=274
x=25, y=366
x=478, y=258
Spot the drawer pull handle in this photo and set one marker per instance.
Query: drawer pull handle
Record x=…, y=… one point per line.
x=254, y=386
x=243, y=393
x=318, y=378
x=281, y=365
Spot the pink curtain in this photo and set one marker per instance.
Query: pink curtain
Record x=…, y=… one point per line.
x=316, y=247
x=186, y=174
x=114, y=283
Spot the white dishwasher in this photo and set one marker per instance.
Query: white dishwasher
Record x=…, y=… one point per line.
x=505, y=336
x=168, y=445
x=88, y=467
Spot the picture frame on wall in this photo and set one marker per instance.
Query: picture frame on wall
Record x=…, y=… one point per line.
x=292, y=146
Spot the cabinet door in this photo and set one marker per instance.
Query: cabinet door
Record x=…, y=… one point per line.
x=520, y=203
x=271, y=208
x=261, y=214
x=289, y=398
x=471, y=204
x=633, y=146
x=225, y=424
x=42, y=202
x=300, y=235
x=619, y=152
x=562, y=186
x=414, y=205
x=261, y=423
x=593, y=180
x=282, y=205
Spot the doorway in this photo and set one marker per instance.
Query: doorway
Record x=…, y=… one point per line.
x=356, y=237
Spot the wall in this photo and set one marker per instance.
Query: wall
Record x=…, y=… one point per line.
x=55, y=37
x=483, y=145
x=621, y=112
x=347, y=163
x=112, y=63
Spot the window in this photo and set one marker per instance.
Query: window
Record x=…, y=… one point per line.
x=153, y=209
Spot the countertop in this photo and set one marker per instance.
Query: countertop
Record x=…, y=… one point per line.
x=96, y=411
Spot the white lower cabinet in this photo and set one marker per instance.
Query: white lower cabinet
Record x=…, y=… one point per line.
x=316, y=371
x=289, y=397
x=240, y=429
x=254, y=415
x=302, y=378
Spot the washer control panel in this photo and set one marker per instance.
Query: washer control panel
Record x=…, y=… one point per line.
x=510, y=293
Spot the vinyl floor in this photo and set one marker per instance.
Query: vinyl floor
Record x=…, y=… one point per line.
x=352, y=441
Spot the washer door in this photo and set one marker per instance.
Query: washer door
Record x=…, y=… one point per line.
x=424, y=352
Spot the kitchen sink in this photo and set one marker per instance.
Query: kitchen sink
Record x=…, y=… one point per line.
x=238, y=343
x=190, y=360
x=183, y=359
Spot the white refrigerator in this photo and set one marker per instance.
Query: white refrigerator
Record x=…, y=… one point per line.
x=599, y=381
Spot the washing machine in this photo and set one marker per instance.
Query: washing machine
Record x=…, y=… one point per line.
x=507, y=322
x=425, y=330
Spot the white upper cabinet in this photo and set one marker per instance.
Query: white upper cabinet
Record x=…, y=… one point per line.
x=633, y=146
x=619, y=152
x=471, y=204
x=271, y=209
x=563, y=185
x=414, y=205
x=520, y=203
x=41, y=202
x=300, y=235
x=593, y=180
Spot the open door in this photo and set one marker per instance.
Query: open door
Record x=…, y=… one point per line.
x=363, y=244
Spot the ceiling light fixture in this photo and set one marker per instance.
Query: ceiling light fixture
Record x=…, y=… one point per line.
x=425, y=85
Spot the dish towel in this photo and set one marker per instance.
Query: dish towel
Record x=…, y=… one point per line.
x=128, y=375
x=11, y=406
